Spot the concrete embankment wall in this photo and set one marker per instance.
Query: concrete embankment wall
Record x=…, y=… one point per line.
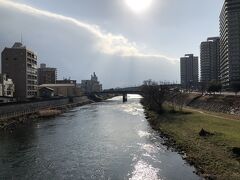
x=15, y=110
x=215, y=103
x=218, y=103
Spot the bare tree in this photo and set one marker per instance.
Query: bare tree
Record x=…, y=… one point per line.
x=154, y=95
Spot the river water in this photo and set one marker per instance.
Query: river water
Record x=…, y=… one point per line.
x=109, y=140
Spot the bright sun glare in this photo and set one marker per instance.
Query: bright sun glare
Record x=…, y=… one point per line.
x=138, y=5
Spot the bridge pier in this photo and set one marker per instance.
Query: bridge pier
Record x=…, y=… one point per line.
x=124, y=97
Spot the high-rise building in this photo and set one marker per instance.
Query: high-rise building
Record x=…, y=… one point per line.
x=210, y=60
x=20, y=64
x=46, y=75
x=189, y=71
x=230, y=43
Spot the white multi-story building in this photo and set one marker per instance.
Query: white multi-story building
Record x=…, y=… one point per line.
x=6, y=86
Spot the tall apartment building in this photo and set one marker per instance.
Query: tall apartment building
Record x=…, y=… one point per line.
x=46, y=75
x=210, y=60
x=20, y=64
x=189, y=71
x=230, y=43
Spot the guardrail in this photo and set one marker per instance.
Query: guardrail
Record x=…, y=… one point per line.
x=11, y=111
x=17, y=110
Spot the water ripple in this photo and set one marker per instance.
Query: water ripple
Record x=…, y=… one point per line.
x=144, y=171
x=143, y=133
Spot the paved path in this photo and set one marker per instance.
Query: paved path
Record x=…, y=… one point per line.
x=208, y=113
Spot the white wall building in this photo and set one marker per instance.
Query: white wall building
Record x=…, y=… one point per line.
x=92, y=85
x=7, y=88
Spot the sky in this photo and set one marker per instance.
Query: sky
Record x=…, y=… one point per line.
x=124, y=47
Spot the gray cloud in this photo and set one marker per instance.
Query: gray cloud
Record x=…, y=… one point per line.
x=77, y=52
x=107, y=43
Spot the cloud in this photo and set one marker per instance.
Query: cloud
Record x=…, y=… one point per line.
x=106, y=43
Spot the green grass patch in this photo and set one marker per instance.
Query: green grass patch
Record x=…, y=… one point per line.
x=214, y=156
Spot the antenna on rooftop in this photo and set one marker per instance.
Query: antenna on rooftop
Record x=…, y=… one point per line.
x=21, y=38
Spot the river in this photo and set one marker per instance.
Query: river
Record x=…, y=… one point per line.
x=109, y=140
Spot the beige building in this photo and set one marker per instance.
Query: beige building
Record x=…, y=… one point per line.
x=20, y=64
x=6, y=86
x=46, y=75
x=64, y=90
x=92, y=85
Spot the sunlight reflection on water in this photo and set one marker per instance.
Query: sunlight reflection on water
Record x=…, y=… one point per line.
x=143, y=133
x=144, y=171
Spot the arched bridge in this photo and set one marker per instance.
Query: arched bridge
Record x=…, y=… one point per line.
x=132, y=90
x=123, y=92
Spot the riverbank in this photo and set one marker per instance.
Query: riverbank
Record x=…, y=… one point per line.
x=216, y=155
x=9, y=124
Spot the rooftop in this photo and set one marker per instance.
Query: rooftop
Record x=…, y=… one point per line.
x=57, y=85
x=18, y=45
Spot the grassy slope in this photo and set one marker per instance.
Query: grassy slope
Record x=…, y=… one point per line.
x=211, y=155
